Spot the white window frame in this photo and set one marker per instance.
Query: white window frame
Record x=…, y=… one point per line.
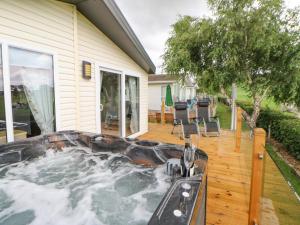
x=124, y=72
x=7, y=88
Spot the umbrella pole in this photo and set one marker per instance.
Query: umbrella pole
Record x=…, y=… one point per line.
x=163, y=109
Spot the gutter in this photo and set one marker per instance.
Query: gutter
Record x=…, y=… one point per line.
x=162, y=82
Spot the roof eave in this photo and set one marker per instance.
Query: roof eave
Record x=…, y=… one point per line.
x=108, y=18
x=162, y=82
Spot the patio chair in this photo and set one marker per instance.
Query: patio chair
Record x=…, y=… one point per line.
x=212, y=106
x=211, y=124
x=206, y=99
x=181, y=118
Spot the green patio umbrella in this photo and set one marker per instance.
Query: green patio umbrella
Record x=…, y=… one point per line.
x=169, y=101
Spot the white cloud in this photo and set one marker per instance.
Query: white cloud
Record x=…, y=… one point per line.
x=292, y=3
x=151, y=20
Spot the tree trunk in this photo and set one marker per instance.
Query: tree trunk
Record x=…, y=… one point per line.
x=224, y=93
x=256, y=111
x=251, y=120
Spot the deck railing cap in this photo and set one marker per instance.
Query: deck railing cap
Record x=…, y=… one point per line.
x=259, y=131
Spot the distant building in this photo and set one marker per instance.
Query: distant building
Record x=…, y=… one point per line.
x=157, y=85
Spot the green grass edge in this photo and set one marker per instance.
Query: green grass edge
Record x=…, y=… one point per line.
x=288, y=172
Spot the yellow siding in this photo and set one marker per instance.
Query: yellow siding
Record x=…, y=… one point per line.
x=96, y=48
x=49, y=25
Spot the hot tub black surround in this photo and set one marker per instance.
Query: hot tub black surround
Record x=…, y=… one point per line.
x=183, y=204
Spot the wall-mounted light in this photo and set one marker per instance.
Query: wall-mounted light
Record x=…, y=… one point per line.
x=86, y=70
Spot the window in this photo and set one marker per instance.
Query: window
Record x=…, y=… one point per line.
x=27, y=105
x=32, y=92
x=163, y=92
x=132, y=105
x=176, y=92
x=2, y=109
x=182, y=94
x=189, y=93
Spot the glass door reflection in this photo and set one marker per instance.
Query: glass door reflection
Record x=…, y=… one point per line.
x=132, y=105
x=110, y=103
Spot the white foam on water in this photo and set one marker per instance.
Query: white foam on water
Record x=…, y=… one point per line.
x=77, y=187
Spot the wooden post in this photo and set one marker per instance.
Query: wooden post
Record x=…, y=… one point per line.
x=238, y=132
x=163, y=109
x=257, y=176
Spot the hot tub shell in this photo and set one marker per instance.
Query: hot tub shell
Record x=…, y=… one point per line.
x=146, y=153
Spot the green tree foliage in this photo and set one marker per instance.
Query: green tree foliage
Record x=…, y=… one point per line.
x=254, y=43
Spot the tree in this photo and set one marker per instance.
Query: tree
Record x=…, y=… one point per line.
x=254, y=43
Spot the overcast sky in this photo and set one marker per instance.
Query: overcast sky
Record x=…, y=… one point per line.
x=151, y=20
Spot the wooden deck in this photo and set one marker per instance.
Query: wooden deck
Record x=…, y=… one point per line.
x=229, y=180
x=228, y=174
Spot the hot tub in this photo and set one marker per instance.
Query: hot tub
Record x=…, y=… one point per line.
x=74, y=177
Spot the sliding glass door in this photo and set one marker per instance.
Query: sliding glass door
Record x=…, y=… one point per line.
x=2, y=109
x=132, y=105
x=118, y=103
x=111, y=118
x=27, y=105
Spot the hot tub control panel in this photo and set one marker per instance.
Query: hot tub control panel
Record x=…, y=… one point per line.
x=180, y=205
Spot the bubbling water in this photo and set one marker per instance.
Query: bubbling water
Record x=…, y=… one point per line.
x=79, y=187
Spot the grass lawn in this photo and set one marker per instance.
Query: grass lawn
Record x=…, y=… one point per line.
x=285, y=169
x=224, y=114
x=276, y=191
x=242, y=95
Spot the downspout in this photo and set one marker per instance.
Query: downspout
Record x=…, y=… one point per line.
x=76, y=74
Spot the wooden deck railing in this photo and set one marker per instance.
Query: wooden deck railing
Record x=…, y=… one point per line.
x=258, y=151
x=238, y=132
x=256, y=187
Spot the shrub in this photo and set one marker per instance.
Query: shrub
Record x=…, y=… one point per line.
x=222, y=100
x=285, y=128
x=245, y=105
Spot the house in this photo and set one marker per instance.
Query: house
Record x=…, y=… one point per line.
x=157, y=85
x=70, y=65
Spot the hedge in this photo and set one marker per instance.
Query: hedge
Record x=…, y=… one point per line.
x=285, y=128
